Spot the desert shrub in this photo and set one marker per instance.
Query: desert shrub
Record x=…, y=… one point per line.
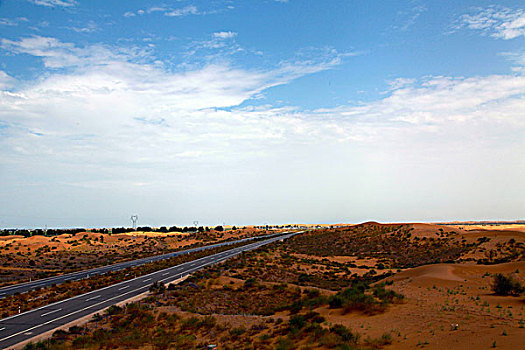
x=208, y=322
x=506, y=285
x=113, y=310
x=387, y=295
x=59, y=333
x=157, y=287
x=330, y=340
x=284, y=344
x=335, y=302
x=296, y=306
x=297, y=322
x=250, y=283
x=355, y=299
x=312, y=293
x=345, y=333
x=378, y=343
x=39, y=345
x=314, y=317
x=74, y=329
x=303, y=278
x=190, y=323
x=101, y=335
x=237, y=332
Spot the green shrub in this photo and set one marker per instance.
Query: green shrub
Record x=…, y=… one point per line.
x=157, y=287
x=387, y=295
x=237, y=331
x=345, y=333
x=284, y=344
x=506, y=285
x=297, y=322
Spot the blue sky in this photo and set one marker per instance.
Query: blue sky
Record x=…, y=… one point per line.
x=260, y=111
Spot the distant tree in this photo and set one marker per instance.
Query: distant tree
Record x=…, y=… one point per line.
x=219, y=228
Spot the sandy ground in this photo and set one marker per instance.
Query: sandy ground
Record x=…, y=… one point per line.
x=509, y=227
x=439, y=296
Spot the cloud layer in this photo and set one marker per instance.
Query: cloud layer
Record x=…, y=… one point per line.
x=498, y=22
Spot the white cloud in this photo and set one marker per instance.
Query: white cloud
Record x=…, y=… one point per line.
x=184, y=105
x=81, y=105
x=89, y=28
x=184, y=11
x=225, y=35
x=54, y=3
x=221, y=43
x=177, y=12
x=57, y=54
x=6, y=81
x=12, y=21
x=444, y=101
x=408, y=18
x=498, y=22
x=156, y=9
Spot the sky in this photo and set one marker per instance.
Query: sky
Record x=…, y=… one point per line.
x=260, y=112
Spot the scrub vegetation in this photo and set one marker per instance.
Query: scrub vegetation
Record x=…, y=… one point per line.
x=332, y=288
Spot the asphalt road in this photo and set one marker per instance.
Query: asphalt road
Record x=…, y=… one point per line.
x=24, y=326
x=46, y=282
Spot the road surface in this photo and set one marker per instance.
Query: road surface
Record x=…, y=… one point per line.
x=46, y=282
x=24, y=326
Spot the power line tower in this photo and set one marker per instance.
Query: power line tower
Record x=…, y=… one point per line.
x=134, y=219
x=196, y=223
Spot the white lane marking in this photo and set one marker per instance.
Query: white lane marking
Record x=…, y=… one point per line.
x=95, y=297
x=146, y=280
x=166, y=273
x=1, y=329
x=123, y=287
x=50, y=312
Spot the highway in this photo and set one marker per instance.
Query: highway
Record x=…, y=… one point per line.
x=24, y=326
x=46, y=282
